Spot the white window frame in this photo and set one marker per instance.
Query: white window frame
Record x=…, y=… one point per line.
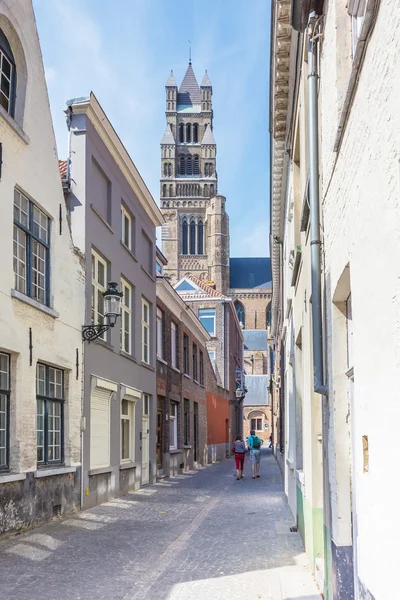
x=130, y=417
x=146, y=332
x=160, y=343
x=213, y=317
x=126, y=215
x=126, y=316
x=174, y=338
x=212, y=355
x=173, y=423
x=356, y=10
x=98, y=317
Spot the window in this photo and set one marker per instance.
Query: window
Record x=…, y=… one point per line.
x=182, y=165
x=171, y=190
x=50, y=409
x=145, y=331
x=169, y=169
x=4, y=409
x=201, y=359
x=186, y=423
x=211, y=354
x=196, y=168
x=189, y=166
x=31, y=249
x=192, y=237
x=160, y=319
x=256, y=424
x=181, y=140
x=165, y=169
x=185, y=354
x=212, y=190
x=126, y=317
x=207, y=318
x=200, y=237
x=146, y=404
x=205, y=191
x=184, y=237
x=164, y=190
x=240, y=313
x=174, y=346
x=194, y=358
x=195, y=133
x=127, y=228
x=188, y=133
x=127, y=430
x=356, y=10
x=147, y=253
x=7, y=75
x=173, y=426
x=268, y=316
x=99, y=278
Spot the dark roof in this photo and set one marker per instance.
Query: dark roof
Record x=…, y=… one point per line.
x=189, y=92
x=248, y=273
x=255, y=339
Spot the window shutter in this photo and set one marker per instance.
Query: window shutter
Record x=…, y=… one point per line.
x=100, y=428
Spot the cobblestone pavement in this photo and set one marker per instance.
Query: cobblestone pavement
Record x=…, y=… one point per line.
x=197, y=536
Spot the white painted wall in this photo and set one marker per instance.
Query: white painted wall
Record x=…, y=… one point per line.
x=30, y=161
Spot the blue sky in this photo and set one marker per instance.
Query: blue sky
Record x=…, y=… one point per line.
x=124, y=50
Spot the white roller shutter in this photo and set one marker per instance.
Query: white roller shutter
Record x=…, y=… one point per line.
x=100, y=428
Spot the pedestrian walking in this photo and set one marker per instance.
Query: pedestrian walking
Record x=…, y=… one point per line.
x=254, y=443
x=270, y=441
x=239, y=448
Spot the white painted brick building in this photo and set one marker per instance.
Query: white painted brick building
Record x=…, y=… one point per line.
x=340, y=450
x=42, y=294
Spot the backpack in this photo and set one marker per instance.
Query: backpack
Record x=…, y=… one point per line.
x=256, y=443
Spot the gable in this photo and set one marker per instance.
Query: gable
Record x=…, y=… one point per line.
x=185, y=286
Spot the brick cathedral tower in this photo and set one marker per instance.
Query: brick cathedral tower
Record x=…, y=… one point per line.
x=196, y=235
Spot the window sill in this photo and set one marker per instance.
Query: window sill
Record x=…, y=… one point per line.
x=105, y=344
x=7, y=478
x=161, y=360
x=176, y=369
x=187, y=446
x=14, y=125
x=129, y=251
x=148, y=274
x=127, y=465
x=102, y=219
x=49, y=472
x=35, y=304
x=147, y=366
x=175, y=450
x=187, y=376
x=128, y=356
x=100, y=471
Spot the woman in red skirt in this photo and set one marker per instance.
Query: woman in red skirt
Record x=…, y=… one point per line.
x=239, y=448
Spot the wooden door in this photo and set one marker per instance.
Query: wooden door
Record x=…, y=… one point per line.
x=159, y=438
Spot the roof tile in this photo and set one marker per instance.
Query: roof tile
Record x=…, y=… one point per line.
x=189, y=92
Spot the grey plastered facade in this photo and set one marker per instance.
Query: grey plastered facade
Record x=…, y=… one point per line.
x=96, y=226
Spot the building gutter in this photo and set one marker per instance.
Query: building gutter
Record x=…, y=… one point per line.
x=315, y=239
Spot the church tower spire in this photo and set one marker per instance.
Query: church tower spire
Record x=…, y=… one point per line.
x=189, y=183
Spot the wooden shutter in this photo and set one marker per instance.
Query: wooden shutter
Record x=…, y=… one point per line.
x=100, y=428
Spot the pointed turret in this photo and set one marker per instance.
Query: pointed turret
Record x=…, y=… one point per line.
x=208, y=138
x=206, y=81
x=168, y=137
x=171, y=82
x=189, y=92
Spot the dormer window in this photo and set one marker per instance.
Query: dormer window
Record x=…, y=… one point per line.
x=7, y=75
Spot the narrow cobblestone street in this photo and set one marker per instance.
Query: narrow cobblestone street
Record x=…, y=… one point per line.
x=197, y=536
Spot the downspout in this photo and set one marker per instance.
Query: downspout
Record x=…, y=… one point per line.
x=223, y=341
x=315, y=243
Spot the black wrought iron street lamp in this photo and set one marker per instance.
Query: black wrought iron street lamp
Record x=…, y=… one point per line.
x=112, y=306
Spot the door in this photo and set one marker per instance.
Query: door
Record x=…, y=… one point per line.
x=195, y=431
x=159, y=438
x=145, y=440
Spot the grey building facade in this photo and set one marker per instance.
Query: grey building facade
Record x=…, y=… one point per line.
x=113, y=219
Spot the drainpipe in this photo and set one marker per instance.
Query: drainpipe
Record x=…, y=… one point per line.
x=316, y=310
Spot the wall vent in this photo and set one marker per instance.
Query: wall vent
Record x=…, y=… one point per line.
x=57, y=510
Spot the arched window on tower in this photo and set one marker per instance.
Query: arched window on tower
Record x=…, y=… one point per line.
x=165, y=169
x=240, y=313
x=181, y=138
x=189, y=165
x=200, y=238
x=188, y=133
x=182, y=165
x=212, y=190
x=195, y=133
x=184, y=236
x=169, y=169
x=268, y=316
x=164, y=190
x=192, y=237
x=196, y=168
x=171, y=190
x=206, y=170
x=210, y=169
x=206, y=191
